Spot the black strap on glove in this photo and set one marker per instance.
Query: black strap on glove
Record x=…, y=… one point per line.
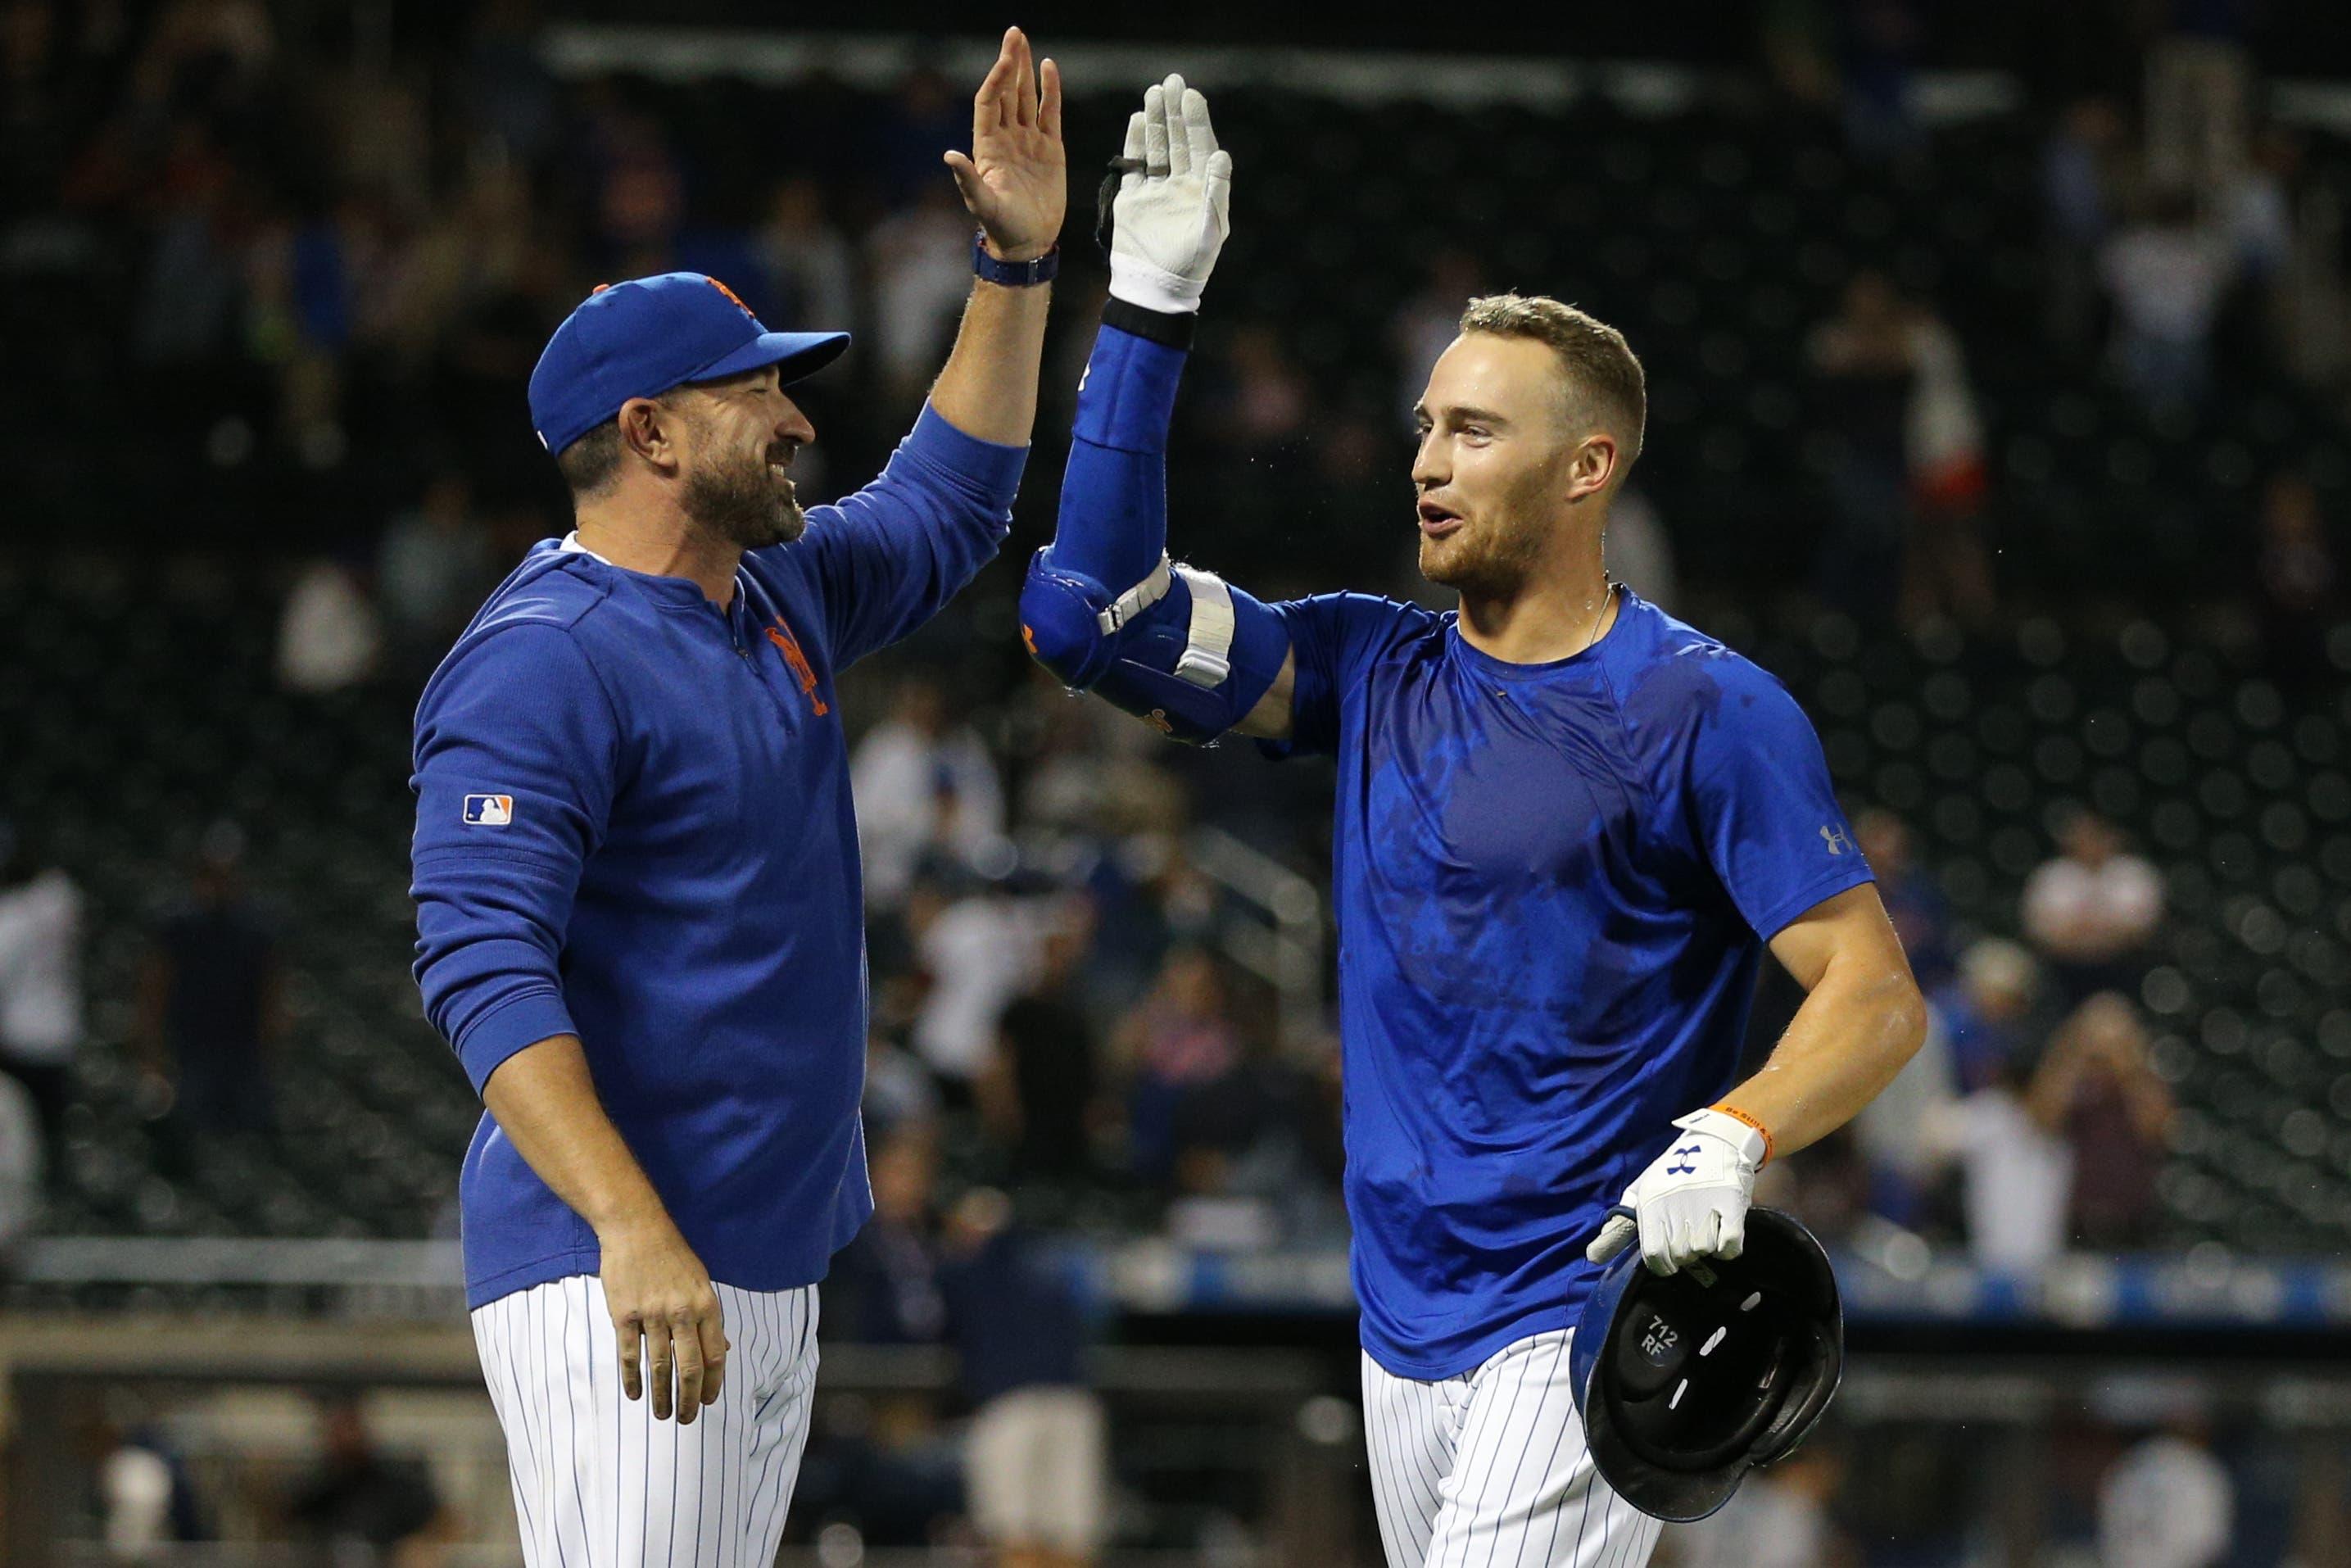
x=1120, y=168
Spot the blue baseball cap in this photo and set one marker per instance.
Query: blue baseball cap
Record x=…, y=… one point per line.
x=641, y=338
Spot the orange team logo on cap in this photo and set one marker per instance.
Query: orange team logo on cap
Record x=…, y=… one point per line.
x=781, y=636
x=736, y=299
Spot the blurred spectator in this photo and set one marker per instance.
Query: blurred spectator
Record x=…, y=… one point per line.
x=1800, y=55
x=1779, y=1518
x=188, y=304
x=509, y=92
x=2167, y=272
x=1180, y=1037
x=1946, y=571
x=810, y=267
x=899, y=1093
x=884, y=1461
x=924, y=786
x=210, y=1001
x=1039, y=1462
x=1094, y=775
x=1913, y=902
x=1881, y=42
x=2257, y=207
x=901, y=146
x=24, y=1158
x=1866, y=360
x=2199, y=94
x=1264, y=401
x=2097, y=1086
x=1245, y=1160
x=1640, y=551
x=363, y=1507
x=883, y=1288
x=1150, y=897
x=1981, y=1014
x=2167, y=1503
x=1358, y=486
x=1828, y=1190
x=2078, y=180
x=328, y=636
x=640, y=194
x=2092, y=909
x=920, y=262
x=1040, y=1097
x=2298, y=586
x=147, y=1500
x=1428, y=322
x=2016, y=1173
x=977, y=949
x=1898, y=1132
x=432, y=572
x=40, y=979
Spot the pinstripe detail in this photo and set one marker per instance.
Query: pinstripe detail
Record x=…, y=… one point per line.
x=483, y=1335
x=1477, y=1471
x=510, y=1343
x=711, y=1495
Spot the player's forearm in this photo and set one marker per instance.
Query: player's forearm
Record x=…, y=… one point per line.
x=544, y=1100
x=1112, y=523
x=1859, y=1025
x=1276, y=713
x=988, y=389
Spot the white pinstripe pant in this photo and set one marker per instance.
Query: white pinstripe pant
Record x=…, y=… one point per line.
x=1489, y=1470
x=598, y=1482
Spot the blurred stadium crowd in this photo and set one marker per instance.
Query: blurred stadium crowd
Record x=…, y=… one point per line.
x=2012, y=439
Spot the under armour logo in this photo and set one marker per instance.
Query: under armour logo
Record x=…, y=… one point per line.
x=1837, y=842
x=1687, y=1151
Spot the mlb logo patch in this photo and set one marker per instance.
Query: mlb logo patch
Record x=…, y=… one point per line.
x=488, y=811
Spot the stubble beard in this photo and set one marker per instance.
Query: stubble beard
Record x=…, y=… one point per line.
x=1487, y=560
x=743, y=505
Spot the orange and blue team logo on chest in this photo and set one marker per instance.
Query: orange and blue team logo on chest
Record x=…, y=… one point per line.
x=804, y=673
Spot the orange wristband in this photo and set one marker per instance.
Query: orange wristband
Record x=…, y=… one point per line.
x=1736, y=1114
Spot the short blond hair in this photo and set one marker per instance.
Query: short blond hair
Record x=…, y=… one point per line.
x=1604, y=375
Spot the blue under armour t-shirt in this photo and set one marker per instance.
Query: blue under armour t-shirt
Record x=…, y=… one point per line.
x=1554, y=883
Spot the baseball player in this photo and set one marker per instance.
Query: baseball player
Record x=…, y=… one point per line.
x=639, y=916
x=1567, y=827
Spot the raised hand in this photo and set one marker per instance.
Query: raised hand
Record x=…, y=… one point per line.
x=1016, y=180
x=1173, y=208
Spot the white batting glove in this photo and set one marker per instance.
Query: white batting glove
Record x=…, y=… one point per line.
x=1171, y=216
x=1691, y=1202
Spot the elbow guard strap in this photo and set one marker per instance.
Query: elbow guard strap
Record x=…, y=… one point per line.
x=1181, y=650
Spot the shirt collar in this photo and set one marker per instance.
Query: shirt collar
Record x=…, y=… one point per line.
x=571, y=542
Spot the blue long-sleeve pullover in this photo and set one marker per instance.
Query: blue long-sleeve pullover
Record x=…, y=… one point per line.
x=633, y=825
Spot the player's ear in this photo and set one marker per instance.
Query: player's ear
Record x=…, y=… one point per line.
x=650, y=429
x=1593, y=466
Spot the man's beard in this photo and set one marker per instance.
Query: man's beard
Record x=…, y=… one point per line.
x=742, y=504
x=1487, y=561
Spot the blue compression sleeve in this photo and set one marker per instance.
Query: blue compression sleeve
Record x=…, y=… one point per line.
x=1113, y=521
x=1194, y=669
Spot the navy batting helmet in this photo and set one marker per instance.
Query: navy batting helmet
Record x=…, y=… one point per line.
x=1687, y=1381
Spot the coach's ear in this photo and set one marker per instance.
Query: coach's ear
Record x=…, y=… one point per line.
x=650, y=429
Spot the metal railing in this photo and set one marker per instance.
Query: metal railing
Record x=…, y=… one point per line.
x=1286, y=949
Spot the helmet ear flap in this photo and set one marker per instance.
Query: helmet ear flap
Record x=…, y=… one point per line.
x=1795, y=1419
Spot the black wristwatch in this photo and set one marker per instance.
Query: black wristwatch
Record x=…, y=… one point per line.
x=1013, y=273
